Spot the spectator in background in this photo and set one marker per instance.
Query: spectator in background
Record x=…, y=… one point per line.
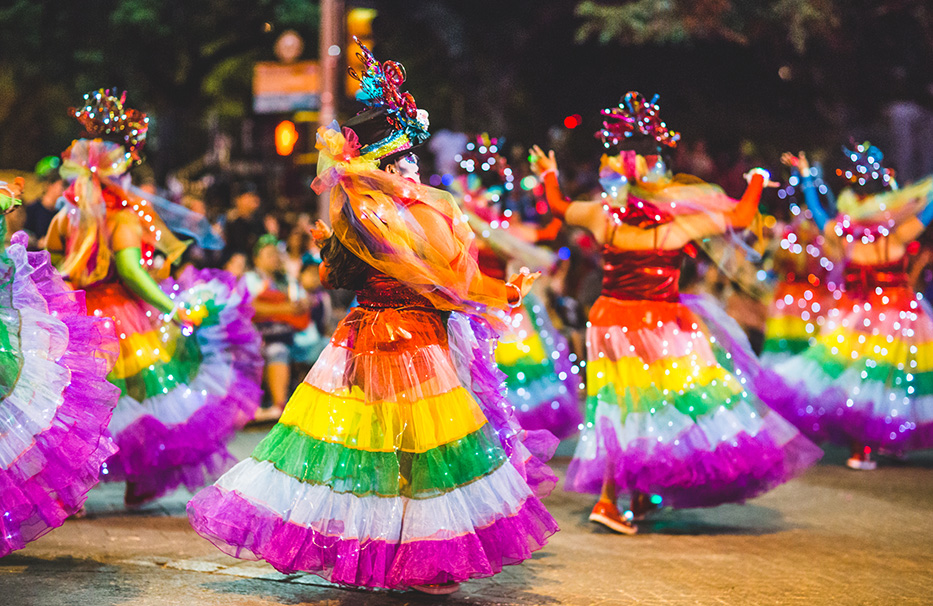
x=282, y=310
x=40, y=212
x=310, y=342
x=244, y=225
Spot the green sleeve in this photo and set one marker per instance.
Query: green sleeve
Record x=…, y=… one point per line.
x=137, y=279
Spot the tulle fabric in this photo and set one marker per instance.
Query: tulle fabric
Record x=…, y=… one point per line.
x=394, y=463
x=535, y=360
x=375, y=214
x=868, y=380
x=671, y=411
x=184, y=392
x=53, y=418
x=93, y=167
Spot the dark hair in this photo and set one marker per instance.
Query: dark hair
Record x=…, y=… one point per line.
x=345, y=270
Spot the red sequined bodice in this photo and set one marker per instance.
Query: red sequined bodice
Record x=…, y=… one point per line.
x=864, y=279
x=384, y=292
x=642, y=275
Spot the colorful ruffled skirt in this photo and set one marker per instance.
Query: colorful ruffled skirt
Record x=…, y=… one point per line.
x=184, y=393
x=542, y=383
x=868, y=380
x=56, y=401
x=670, y=413
x=391, y=466
x=795, y=317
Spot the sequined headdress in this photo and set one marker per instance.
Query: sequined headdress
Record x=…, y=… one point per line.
x=105, y=116
x=864, y=166
x=634, y=116
x=394, y=122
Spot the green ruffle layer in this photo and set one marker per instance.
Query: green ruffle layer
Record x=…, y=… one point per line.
x=782, y=345
x=386, y=474
x=696, y=402
x=871, y=370
x=163, y=377
x=11, y=360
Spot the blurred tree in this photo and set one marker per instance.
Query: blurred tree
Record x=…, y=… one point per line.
x=187, y=63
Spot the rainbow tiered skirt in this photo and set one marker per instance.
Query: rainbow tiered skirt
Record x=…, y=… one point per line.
x=183, y=394
x=539, y=375
x=56, y=401
x=868, y=380
x=383, y=471
x=669, y=413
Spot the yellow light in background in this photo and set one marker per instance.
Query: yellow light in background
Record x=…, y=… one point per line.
x=286, y=136
x=359, y=24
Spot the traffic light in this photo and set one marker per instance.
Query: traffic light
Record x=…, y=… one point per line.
x=286, y=136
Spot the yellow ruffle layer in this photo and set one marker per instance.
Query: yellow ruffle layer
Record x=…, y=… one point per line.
x=383, y=426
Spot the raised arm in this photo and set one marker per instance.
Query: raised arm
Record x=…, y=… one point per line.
x=808, y=187
x=589, y=215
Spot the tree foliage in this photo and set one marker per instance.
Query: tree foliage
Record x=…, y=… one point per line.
x=183, y=61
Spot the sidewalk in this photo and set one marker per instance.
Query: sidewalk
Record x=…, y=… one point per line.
x=834, y=536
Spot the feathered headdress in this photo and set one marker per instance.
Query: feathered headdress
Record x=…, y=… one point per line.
x=635, y=116
x=407, y=126
x=105, y=116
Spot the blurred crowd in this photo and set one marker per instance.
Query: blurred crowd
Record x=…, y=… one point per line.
x=270, y=247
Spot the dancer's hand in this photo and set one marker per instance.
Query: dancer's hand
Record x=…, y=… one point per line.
x=765, y=175
x=320, y=232
x=799, y=162
x=542, y=163
x=522, y=283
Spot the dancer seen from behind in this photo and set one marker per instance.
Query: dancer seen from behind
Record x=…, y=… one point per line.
x=183, y=391
x=532, y=353
x=809, y=280
x=867, y=383
x=397, y=462
x=55, y=400
x=671, y=416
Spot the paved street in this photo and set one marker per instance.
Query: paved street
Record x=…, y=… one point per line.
x=832, y=537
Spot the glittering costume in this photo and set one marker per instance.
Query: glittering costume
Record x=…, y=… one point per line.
x=671, y=405
x=397, y=462
x=669, y=412
x=802, y=297
x=183, y=392
x=533, y=354
x=868, y=380
x=55, y=401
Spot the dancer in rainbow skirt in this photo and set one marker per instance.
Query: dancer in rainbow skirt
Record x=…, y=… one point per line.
x=397, y=463
x=867, y=383
x=184, y=391
x=55, y=400
x=532, y=353
x=808, y=279
x=670, y=413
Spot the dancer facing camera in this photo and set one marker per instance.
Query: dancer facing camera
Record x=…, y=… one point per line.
x=397, y=463
x=670, y=416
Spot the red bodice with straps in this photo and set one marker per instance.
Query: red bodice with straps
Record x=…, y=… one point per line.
x=642, y=275
x=862, y=280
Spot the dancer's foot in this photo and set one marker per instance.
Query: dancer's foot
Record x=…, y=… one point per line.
x=643, y=506
x=437, y=588
x=267, y=415
x=607, y=514
x=134, y=499
x=861, y=460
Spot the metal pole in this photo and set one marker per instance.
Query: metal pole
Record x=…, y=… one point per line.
x=332, y=16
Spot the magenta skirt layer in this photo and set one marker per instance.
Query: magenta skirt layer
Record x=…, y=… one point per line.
x=55, y=410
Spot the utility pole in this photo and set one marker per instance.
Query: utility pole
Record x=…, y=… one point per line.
x=332, y=18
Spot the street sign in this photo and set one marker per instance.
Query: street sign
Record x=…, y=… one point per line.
x=283, y=88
